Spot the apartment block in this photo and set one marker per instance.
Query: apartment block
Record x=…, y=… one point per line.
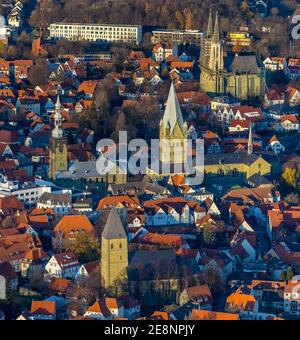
x=96, y=32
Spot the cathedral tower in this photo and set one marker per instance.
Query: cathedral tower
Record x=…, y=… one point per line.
x=114, y=250
x=212, y=59
x=58, y=145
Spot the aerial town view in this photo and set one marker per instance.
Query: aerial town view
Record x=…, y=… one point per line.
x=150, y=162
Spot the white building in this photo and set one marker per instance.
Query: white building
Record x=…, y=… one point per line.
x=162, y=51
x=27, y=192
x=15, y=17
x=97, y=32
x=63, y=265
x=288, y=123
x=275, y=146
x=4, y=30
x=275, y=64
x=292, y=299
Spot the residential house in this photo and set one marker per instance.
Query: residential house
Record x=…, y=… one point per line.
x=33, y=264
x=71, y=225
x=275, y=146
x=42, y=310
x=61, y=204
x=8, y=280
x=62, y=265
x=200, y=295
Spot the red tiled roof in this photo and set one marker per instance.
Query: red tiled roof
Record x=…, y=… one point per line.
x=43, y=308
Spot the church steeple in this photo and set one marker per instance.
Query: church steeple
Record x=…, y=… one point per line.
x=216, y=35
x=209, y=31
x=58, y=155
x=250, y=141
x=114, y=250
x=173, y=114
x=57, y=132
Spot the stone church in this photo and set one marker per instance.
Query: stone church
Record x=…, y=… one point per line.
x=240, y=74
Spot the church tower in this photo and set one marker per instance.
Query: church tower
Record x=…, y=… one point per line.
x=114, y=250
x=212, y=59
x=58, y=145
x=173, y=132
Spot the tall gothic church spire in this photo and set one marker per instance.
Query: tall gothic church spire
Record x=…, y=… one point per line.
x=209, y=31
x=216, y=36
x=173, y=114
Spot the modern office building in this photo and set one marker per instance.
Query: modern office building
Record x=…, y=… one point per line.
x=176, y=36
x=97, y=32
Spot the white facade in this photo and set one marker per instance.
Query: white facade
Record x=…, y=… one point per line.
x=275, y=64
x=27, y=193
x=54, y=269
x=292, y=302
x=96, y=32
x=171, y=217
x=276, y=147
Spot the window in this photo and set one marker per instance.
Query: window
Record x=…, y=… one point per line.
x=112, y=246
x=120, y=246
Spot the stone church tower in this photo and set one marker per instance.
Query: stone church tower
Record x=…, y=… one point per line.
x=172, y=132
x=58, y=145
x=212, y=59
x=114, y=250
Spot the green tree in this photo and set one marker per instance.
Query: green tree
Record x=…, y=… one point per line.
x=86, y=247
x=289, y=274
x=210, y=234
x=120, y=286
x=289, y=177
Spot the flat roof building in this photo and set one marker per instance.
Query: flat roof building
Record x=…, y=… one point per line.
x=96, y=32
x=176, y=36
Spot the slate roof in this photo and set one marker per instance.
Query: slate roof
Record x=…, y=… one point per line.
x=172, y=114
x=241, y=64
x=241, y=157
x=56, y=199
x=114, y=228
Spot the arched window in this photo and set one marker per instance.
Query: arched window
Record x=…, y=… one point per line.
x=112, y=246
x=120, y=246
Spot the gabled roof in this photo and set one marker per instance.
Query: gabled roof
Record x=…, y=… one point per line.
x=200, y=291
x=114, y=228
x=43, y=307
x=209, y=315
x=100, y=307
x=240, y=301
x=74, y=223
x=58, y=285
